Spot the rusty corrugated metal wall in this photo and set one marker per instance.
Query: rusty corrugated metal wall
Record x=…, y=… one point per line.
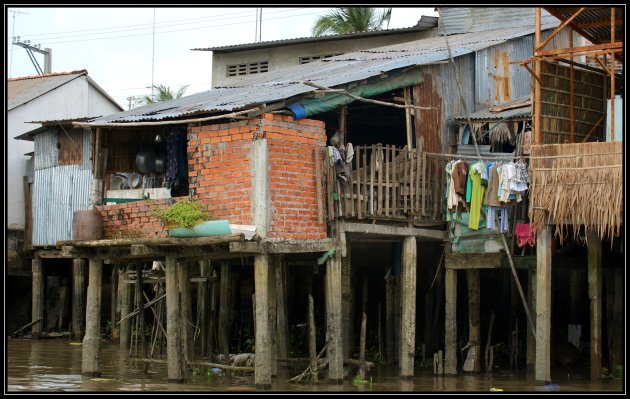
x=58, y=190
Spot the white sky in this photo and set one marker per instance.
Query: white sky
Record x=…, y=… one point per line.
x=116, y=45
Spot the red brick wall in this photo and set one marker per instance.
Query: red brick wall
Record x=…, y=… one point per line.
x=134, y=219
x=293, y=204
x=219, y=167
x=220, y=176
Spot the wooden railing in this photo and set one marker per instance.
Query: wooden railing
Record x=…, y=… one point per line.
x=387, y=183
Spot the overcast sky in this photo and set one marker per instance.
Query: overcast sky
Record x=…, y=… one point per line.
x=126, y=49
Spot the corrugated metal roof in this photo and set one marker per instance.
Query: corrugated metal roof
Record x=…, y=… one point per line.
x=593, y=23
x=274, y=86
x=424, y=23
x=520, y=109
x=457, y=20
x=23, y=90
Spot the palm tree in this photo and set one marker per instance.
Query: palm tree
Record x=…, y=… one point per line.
x=164, y=94
x=344, y=20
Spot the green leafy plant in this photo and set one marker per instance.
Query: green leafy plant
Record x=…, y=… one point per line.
x=185, y=213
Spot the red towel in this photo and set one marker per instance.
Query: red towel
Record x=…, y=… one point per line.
x=525, y=234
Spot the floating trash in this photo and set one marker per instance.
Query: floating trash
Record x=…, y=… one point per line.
x=76, y=343
x=101, y=379
x=496, y=389
x=551, y=387
x=215, y=370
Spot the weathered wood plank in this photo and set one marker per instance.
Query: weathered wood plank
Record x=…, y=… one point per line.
x=392, y=230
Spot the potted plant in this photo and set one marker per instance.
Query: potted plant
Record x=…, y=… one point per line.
x=189, y=218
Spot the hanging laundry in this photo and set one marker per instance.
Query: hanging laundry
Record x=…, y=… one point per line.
x=476, y=197
x=460, y=174
x=525, y=234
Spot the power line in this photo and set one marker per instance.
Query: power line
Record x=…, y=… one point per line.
x=172, y=31
x=165, y=24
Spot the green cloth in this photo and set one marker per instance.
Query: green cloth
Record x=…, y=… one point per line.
x=477, y=193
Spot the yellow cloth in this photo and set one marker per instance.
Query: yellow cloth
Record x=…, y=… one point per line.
x=478, y=192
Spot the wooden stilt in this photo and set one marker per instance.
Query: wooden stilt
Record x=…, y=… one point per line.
x=224, y=311
x=543, y=306
x=408, y=322
x=346, y=303
x=141, y=349
x=362, y=337
x=531, y=339
x=272, y=306
x=595, y=295
x=214, y=304
x=333, y=319
x=91, y=354
x=78, y=301
x=312, y=345
x=450, y=327
x=202, y=307
x=389, y=317
x=282, y=325
x=183, y=281
x=38, y=297
x=173, y=340
x=473, y=360
x=113, y=318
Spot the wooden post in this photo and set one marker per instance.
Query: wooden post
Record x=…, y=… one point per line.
x=91, y=356
x=175, y=368
x=618, y=320
x=333, y=319
x=273, y=298
x=362, y=337
x=282, y=325
x=543, y=305
x=38, y=295
x=78, y=291
x=346, y=304
x=125, y=309
x=408, y=319
x=114, y=303
x=531, y=300
x=390, y=289
x=262, y=373
x=202, y=307
x=183, y=283
x=214, y=303
x=595, y=295
x=140, y=317
x=450, y=322
x=312, y=344
x=224, y=310
x=473, y=359
x=537, y=72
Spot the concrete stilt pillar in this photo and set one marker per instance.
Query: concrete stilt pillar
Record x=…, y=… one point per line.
x=173, y=330
x=543, y=306
x=262, y=372
x=91, y=356
x=38, y=294
x=450, y=322
x=408, y=319
x=595, y=296
x=333, y=319
x=78, y=292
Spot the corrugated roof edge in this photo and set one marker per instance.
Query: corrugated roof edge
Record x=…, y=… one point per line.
x=47, y=75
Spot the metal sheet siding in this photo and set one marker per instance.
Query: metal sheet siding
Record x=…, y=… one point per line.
x=497, y=80
x=352, y=67
x=57, y=193
x=457, y=20
x=46, y=152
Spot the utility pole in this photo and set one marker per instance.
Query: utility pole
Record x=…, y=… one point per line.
x=130, y=99
x=13, y=35
x=37, y=48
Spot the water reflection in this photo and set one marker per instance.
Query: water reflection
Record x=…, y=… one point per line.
x=55, y=365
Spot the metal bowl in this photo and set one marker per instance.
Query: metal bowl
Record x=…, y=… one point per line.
x=160, y=164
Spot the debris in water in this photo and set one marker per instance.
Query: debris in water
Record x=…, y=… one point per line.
x=496, y=389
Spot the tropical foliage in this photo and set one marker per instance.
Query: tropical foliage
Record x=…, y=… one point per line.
x=164, y=93
x=344, y=20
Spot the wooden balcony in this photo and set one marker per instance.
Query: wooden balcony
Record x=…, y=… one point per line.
x=386, y=183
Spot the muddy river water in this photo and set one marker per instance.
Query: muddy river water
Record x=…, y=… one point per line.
x=54, y=365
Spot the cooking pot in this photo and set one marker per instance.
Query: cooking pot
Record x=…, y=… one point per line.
x=160, y=164
x=145, y=160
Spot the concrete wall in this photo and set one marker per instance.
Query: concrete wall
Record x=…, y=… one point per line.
x=285, y=56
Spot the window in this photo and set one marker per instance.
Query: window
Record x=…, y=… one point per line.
x=306, y=60
x=248, y=69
